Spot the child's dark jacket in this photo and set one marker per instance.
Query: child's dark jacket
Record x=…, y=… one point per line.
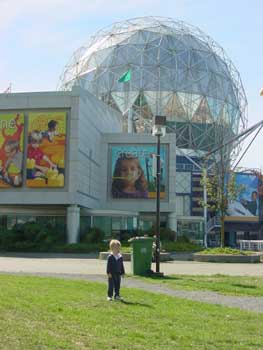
x=115, y=266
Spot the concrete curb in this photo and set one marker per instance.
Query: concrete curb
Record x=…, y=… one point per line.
x=127, y=256
x=227, y=258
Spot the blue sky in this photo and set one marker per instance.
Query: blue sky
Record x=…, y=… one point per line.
x=37, y=38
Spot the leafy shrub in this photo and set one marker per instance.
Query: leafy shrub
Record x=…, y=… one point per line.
x=180, y=246
x=18, y=231
x=30, y=230
x=24, y=246
x=95, y=235
x=7, y=239
x=225, y=251
x=80, y=248
x=30, y=236
x=183, y=239
x=166, y=234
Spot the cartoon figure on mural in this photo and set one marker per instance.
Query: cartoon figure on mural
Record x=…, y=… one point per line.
x=46, y=149
x=128, y=178
x=15, y=157
x=11, y=154
x=36, y=154
x=51, y=132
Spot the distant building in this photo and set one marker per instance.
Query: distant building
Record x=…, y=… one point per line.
x=80, y=165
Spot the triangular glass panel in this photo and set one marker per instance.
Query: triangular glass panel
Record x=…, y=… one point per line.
x=124, y=100
x=202, y=114
x=174, y=109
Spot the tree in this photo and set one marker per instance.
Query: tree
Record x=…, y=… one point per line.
x=221, y=188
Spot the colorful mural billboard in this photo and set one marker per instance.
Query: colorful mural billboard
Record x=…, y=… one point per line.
x=46, y=149
x=246, y=206
x=11, y=150
x=132, y=172
x=260, y=195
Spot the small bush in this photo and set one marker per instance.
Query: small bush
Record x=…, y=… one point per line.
x=95, y=235
x=183, y=239
x=24, y=247
x=7, y=239
x=29, y=237
x=30, y=231
x=166, y=234
x=80, y=248
x=180, y=246
x=225, y=251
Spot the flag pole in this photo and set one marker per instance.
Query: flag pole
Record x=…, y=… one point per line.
x=126, y=78
x=130, y=126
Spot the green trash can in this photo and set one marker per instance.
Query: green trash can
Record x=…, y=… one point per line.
x=141, y=258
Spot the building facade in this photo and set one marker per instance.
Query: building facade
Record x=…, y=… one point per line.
x=84, y=156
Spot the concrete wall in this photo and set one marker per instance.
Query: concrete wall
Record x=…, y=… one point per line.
x=95, y=118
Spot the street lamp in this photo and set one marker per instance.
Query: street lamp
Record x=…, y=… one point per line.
x=158, y=130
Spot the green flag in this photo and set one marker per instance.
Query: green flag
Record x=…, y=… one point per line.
x=125, y=77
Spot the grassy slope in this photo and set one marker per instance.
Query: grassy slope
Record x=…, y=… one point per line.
x=45, y=313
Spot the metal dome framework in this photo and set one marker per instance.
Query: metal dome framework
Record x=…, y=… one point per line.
x=176, y=70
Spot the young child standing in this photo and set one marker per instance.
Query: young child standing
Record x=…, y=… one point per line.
x=115, y=269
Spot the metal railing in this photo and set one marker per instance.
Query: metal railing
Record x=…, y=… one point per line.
x=212, y=223
x=251, y=245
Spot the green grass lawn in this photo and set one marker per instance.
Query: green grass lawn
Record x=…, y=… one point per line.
x=232, y=285
x=48, y=313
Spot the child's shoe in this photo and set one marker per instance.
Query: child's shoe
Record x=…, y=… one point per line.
x=109, y=298
x=118, y=297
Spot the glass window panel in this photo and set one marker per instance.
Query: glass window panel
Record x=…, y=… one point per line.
x=85, y=224
x=183, y=205
x=103, y=223
x=116, y=223
x=183, y=182
x=192, y=230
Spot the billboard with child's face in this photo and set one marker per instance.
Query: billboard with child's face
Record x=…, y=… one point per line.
x=133, y=172
x=46, y=149
x=11, y=149
x=246, y=205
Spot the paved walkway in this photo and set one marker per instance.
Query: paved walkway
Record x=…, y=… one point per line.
x=89, y=268
x=88, y=264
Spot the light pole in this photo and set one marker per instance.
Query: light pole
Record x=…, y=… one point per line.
x=158, y=130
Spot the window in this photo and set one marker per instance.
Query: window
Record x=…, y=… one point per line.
x=183, y=205
x=183, y=182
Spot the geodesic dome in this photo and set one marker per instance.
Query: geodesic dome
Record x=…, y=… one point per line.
x=176, y=70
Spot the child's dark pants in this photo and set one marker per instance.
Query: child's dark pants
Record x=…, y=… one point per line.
x=114, y=282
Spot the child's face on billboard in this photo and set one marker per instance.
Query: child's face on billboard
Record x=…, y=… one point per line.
x=130, y=171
